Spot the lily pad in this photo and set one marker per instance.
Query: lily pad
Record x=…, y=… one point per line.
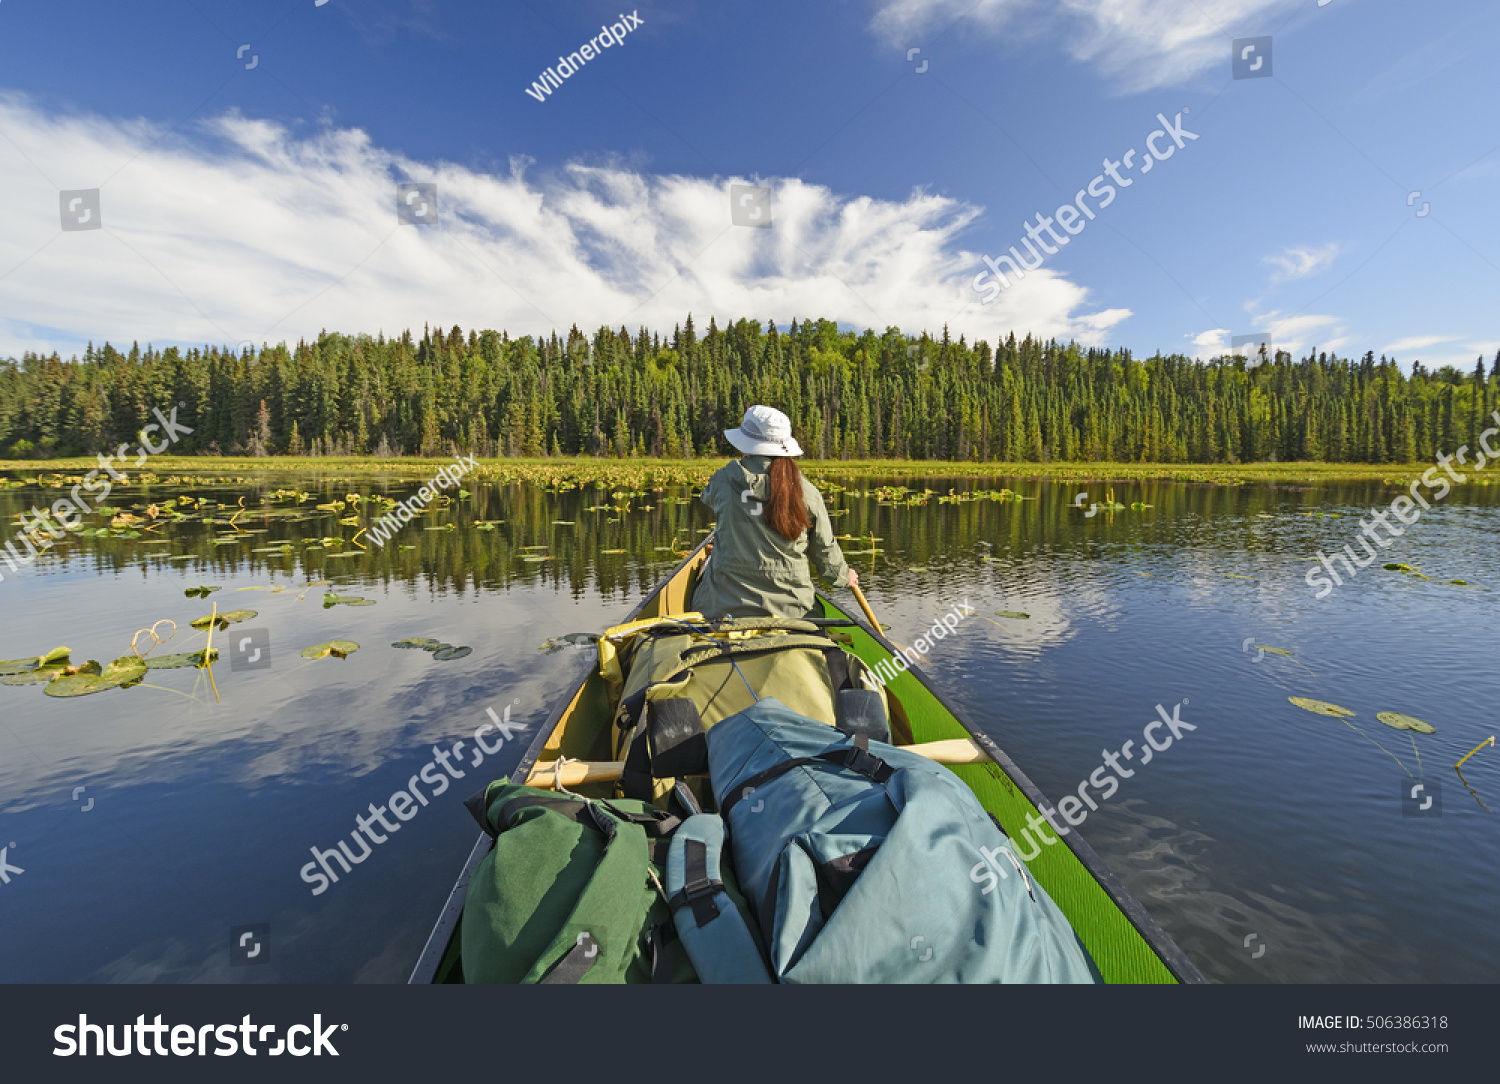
x=1012, y=613
x=339, y=649
x=425, y=643
x=1269, y=650
x=346, y=600
x=614, y=551
x=178, y=662
x=571, y=639
x=41, y=675
x=57, y=656
x=533, y=558
x=224, y=620
x=1322, y=707
x=199, y=592
x=448, y=651
x=124, y=671
x=1405, y=722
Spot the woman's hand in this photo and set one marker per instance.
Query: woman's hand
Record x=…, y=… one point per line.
x=853, y=578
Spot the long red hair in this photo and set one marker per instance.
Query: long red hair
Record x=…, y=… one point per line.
x=785, y=510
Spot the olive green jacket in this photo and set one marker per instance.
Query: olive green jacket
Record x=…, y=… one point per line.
x=753, y=571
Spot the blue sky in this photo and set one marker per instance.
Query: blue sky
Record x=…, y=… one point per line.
x=259, y=203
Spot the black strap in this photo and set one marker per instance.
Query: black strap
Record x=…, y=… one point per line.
x=656, y=944
x=838, y=671
x=698, y=889
x=852, y=757
x=571, y=969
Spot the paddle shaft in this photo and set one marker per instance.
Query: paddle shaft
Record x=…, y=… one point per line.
x=864, y=604
x=577, y=772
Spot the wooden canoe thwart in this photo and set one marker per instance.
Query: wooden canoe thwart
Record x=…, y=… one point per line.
x=1125, y=942
x=575, y=773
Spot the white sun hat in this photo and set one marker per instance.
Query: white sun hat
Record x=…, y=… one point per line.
x=765, y=431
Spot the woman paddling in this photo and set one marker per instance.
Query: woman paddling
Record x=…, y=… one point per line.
x=770, y=522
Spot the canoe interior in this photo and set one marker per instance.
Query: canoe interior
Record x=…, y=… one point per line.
x=1125, y=942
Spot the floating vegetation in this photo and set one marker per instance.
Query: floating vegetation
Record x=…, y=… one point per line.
x=345, y=600
x=338, y=649
x=1269, y=650
x=199, y=592
x=1139, y=507
x=1401, y=566
x=57, y=658
x=123, y=672
x=570, y=639
x=223, y=620
x=179, y=662
x=1322, y=707
x=1012, y=613
x=614, y=551
x=439, y=650
x=564, y=523
x=532, y=558
x=1405, y=722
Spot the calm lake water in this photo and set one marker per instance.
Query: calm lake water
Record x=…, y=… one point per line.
x=1271, y=842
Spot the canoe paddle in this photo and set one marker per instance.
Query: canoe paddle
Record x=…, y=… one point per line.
x=864, y=604
x=577, y=772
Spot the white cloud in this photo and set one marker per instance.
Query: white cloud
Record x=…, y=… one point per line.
x=1298, y=263
x=1298, y=334
x=1416, y=342
x=249, y=231
x=1294, y=334
x=1135, y=44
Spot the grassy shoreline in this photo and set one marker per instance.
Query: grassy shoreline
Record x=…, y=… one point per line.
x=586, y=470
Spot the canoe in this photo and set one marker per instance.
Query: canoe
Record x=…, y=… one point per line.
x=1125, y=942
